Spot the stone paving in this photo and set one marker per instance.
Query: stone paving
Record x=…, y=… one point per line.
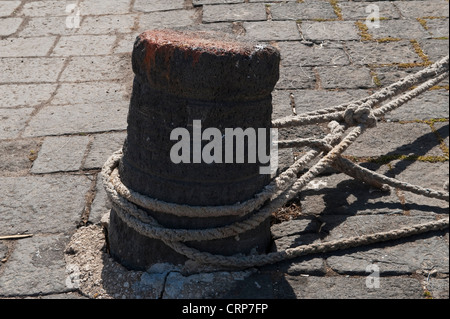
x=65, y=85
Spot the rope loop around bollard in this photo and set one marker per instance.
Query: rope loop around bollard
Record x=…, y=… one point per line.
x=361, y=115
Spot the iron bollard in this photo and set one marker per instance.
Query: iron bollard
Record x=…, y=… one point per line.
x=190, y=82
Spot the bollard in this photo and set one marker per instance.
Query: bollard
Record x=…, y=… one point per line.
x=183, y=80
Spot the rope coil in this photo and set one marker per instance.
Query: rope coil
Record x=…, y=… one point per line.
x=361, y=115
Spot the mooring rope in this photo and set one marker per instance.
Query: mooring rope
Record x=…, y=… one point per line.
x=359, y=115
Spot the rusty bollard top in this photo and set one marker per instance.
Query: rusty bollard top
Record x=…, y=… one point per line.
x=182, y=78
x=205, y=65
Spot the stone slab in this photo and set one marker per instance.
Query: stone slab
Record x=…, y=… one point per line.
x=430, y=105
x=84, y=45
x=26, y=70
x=44, y=8
x=296, y=77
x=108, y=24
x=9, y=26
x=357, y=10
x=341, y=287
x=234, y=12
x=101, y=204
x=394, y=138
x=95, y=7
x=339, y=194
x=60, y=154
x=401, y=257
x=36, y=267
x=146, y=6
x=13, y=122
x=8, y=7
x=170, y=19
x=345, y=77
x=24, y=47
x=305, y=10
x=434, y=49
x=438, y=28
x=78, y=118
x=297, y=53
x=14, y=95
x=42, y=204
x=97, y=68
x=428, y=175
x=47, y=26
x=91, y=92
x=413, y=9
x=369, y=53
x=203, y=2
x=102, y=147
x=399, y=29
x=16, y=156
x=272, y=30
x=329, y=30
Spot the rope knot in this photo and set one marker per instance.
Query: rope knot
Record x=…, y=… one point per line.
x=360, y=114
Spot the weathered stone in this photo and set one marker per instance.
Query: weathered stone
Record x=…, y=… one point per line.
x=104, y=92
x=101, y=149
x=234, y=12
x=42, y=204
x=402, y=139
x=145, y=6
x=296, y=77
x=110, y=24
x=438, y=288
x=8, y=7
x=46, y=26
x=13, y=122
x=25, y=94
x=95, y=7
x=434, y=49
x=428, y=175
x=25, y=70
x=9, y=26
x=329, y=30
x=84, y=45
x=169, y=19
x=206, y=2
x=399, y=29
x=357, y=10
x=26, y=47
x=369, y=53
x=306, y=10
x=60, y=154
x=400, y=257
x=298, y=287
x=17, y=156
x=44, y=8
x=413, y=9
x=345, y=77
x=438, y=27
x=96, y=68
x=429, y=105
x=86, y=118
x=272, y=30
x=297, y=53
x=101, y=204
x=205, y=285
x=36, y=266
x=339, y=194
